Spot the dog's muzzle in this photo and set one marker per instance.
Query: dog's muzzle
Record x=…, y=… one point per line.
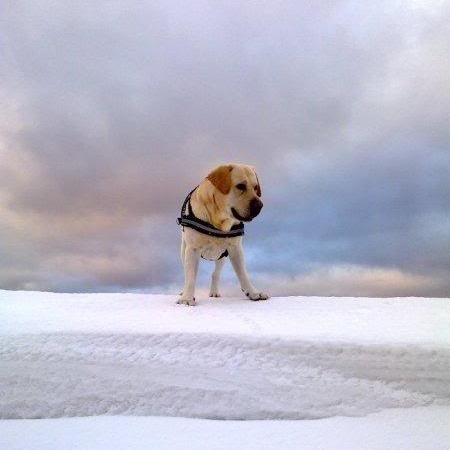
x=254, y=209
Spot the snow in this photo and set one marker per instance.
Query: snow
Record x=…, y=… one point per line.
x=355, y=363
x=407, y=429
x=373, y=320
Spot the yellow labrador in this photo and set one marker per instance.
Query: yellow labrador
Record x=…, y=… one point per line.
x=212, y=226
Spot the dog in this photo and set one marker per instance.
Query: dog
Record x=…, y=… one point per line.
x=228, y=196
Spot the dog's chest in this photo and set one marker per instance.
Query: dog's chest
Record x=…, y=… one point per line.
x=212, y=252
x=208, y=247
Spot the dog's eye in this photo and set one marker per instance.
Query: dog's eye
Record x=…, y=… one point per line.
x=241, y=186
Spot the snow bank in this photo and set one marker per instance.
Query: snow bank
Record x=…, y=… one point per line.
x=288, y=358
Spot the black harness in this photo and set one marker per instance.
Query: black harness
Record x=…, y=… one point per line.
x=191, y=221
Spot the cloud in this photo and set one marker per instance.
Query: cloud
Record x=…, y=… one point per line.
x=112, y=113
x=356, y=281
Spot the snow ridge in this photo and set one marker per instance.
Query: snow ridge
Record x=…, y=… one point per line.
x=213, y=376
x=287, y=358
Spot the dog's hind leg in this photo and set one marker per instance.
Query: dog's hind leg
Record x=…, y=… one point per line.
x=215, y=278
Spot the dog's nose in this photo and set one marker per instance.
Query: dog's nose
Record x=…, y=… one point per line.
x=255, y=206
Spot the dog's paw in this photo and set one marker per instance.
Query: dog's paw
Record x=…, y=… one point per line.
x=186, y=301
x=214, y=294
x=255, y=296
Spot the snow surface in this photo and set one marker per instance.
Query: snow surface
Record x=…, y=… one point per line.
x=406, y=429
x=288, y=358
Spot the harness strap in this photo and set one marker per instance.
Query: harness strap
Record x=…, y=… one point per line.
x=191, y=221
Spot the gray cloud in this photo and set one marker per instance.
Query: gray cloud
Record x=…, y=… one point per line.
x=113, y=111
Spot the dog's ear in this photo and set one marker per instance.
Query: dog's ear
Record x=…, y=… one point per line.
x=220, y=177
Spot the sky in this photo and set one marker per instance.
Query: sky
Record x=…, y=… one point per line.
x=113, y=111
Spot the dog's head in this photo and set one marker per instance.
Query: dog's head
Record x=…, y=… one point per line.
x=240, y=185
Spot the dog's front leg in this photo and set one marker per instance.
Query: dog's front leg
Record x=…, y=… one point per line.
x=191, y=259
x=237, y=260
